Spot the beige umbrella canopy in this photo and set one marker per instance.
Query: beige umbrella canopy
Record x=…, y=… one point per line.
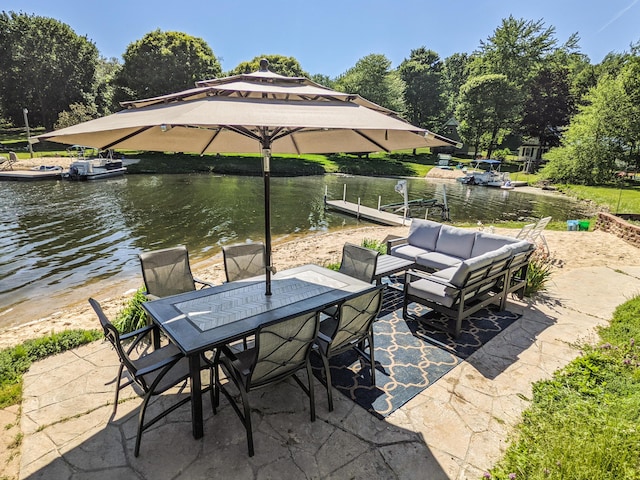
x=257, y=112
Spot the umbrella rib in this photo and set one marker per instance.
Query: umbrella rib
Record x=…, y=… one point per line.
x=126, y=137
x=371, y=140
x=213, y=137
x=242, y=131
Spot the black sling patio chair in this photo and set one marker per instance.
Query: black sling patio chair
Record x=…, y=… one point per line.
x=168, y=272
x=357, y=262
x=351, y=328
x=280, y=350
x=153, y=371
x=244, y=261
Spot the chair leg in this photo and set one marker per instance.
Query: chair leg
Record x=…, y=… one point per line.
x=143, y=410
x=312, y=398
x=372, y=359
x=247, y=420
x=327, y=375
x=118, y=387
x=215, y=399
x=212, y=385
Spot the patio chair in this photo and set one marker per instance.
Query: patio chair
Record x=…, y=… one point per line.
x=153, y=371
x=244, y=261
x=351, y=329
x=8, y=164
x=280, y=350
x=167, y=272
x=525, y=231
x=535, y=235
x=357, y=262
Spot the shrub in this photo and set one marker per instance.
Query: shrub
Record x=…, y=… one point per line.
x=374, y=245
x=538, y=273
x=132, y=316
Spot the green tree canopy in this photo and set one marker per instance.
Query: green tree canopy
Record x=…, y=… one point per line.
x=44, y=66
x=605, y=134
x=423, y=98
x=164, y=62
x=287, y=66
x=488, y=106
x=549, y=105
x=516, y=49
x=455, y=73
x=373, y=79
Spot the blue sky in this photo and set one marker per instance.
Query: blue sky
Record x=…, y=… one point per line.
x=329, y=36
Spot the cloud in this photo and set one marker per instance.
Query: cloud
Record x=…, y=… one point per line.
x=618, y=15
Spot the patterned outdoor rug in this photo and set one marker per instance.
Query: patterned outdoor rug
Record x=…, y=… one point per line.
x=409, y=355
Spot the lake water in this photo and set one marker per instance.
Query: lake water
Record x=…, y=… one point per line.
x=58, y=238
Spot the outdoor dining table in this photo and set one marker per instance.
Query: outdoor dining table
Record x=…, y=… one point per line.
x=201, y=320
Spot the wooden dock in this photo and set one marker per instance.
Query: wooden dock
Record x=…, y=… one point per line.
x=367, y=213
x=29, y=175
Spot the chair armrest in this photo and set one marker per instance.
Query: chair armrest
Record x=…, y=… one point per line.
x=425, y=276
x=410, y=274
x=140, y=332
x=173, y=359
x=138, y=335
x=150, y=296
x=323, y=337
x=394, y=242
x=203, y=283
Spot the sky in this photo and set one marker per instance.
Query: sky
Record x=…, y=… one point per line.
x=327, y=36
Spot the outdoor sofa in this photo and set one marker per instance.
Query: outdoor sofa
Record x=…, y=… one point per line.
x=460, y=271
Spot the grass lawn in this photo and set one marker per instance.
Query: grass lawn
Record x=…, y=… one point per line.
x=584, y=423
x=623, y=198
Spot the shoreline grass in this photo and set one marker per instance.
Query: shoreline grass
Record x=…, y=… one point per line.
x=584, y=423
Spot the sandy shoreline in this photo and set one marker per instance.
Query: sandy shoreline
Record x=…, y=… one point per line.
x=569, y=250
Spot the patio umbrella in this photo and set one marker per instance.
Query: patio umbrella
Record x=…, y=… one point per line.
x=257, y=112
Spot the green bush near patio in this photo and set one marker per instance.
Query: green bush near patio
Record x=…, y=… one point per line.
x=15, y=361
x=584, y=423
x=132, y=316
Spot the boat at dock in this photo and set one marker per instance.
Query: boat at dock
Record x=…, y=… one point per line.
x=479, y=176
x=95, y=169
x=43, y=172
x=104, y=166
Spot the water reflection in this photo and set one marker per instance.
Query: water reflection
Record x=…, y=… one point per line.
x=58, y=236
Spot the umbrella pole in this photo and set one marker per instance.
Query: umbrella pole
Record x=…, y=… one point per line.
x=266, y=173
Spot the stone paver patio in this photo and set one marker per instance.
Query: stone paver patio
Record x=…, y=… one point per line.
x=455, y=429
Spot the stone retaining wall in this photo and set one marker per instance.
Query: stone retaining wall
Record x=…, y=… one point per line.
x=618, y=226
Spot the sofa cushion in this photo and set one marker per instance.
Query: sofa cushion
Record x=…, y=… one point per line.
x=456, y=242
x=487, y=242
x=408, y=252
x=424, y=233
x=521, y=246
x=430, y=291
x=437, y=260
x=459, y=277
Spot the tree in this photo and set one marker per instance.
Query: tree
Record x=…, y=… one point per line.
x=548, y=106
x=323, y=80
x=604, y=135
x=287, y=66
x=164, y=62
x=103, y=88
x=373, y=79
x=77, y=113
x=455, y=73
x=422, y=75
x=45, y=67
x=489, y=104
x=516, y=49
